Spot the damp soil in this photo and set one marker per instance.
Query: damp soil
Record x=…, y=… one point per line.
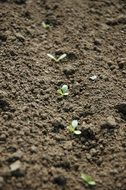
x=36, y=150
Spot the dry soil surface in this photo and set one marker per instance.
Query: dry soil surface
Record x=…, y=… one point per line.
x=37, y=152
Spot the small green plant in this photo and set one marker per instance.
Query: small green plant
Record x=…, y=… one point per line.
x=87, y=179
x=55, y=58
x=46, y=26
x=72, y=128
x=63, y=91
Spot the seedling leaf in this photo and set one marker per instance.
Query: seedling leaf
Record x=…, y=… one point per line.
x=59, y=91
x=63, y=91
x=88, y=180
x=46, y=26
x=74, y=124
x=72, y=127
x=65, y=88
x=92, y=183
x=51, y=56
x=62, y=57
x=94, y=77
x=55, y=58
x=77, y=132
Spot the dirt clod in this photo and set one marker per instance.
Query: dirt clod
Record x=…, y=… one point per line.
x=20, y=1
x=57, y=125
x=69, y=70
x=15, y=156
x=110, y=122
x=3, y=138
x=122, y=63
x=88, y=131
x=20, y=37
x=121, y=107
x=60, y=180
x=115, y=21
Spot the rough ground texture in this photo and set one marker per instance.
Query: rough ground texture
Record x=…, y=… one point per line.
x=36, y=150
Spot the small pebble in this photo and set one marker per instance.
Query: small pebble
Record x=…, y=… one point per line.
x=15, y=166
x=93, y=151
x=33, y=149
x=17, y=169
x=111, y=121
x=88, y=156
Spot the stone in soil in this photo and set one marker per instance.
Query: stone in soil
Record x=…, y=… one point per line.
x=15, y=166
x=111, y=121
x=33, y=149
x=17, y=169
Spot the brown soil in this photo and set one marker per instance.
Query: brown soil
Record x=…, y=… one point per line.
x=33, y=119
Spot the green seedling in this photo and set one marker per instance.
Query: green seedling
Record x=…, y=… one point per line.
x=63, y=91
x=57, y=59
x=87, y=180
x=46, y=26
x=72, y=128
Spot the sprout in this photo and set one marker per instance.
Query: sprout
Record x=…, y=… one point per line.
x=94, y=77
x=62, y=57
x=72, y=127
x=46, y=26
x=63, y=91
x=57, y=59
x=87, y=180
